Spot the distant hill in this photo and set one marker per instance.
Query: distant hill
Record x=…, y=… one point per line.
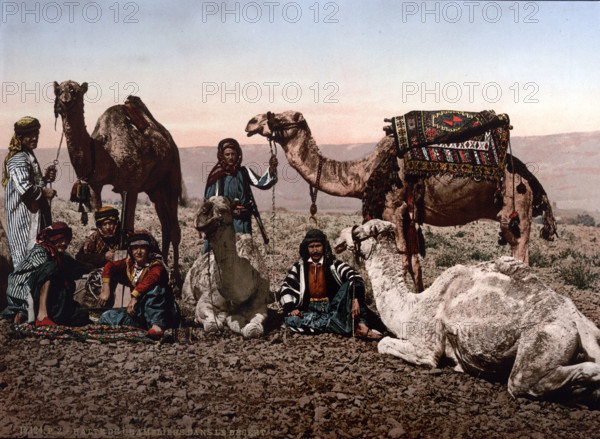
x=567, y=165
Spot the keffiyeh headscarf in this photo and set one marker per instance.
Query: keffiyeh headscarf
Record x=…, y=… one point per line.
x=315, y=235
x=48, y=237
x=143, y=237
x=222, y=168
x=107, y=213
x=23, y=126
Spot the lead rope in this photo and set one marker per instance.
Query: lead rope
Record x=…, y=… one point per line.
x=273, y=149
x=313, y=191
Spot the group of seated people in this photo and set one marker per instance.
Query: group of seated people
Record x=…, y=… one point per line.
x=42, y=285
x=320, y=293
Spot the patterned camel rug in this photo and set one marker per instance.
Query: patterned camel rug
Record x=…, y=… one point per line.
x=457, y=142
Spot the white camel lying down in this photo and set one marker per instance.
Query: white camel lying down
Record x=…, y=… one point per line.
x=488, y=318
x=225, y=285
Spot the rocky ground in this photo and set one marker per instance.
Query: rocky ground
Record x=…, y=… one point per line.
x=284, y=385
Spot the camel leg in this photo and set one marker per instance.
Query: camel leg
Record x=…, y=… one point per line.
x=130, y=211
x=424, y=351
x=411, y=263
x=95, y=197
x=523, y=205
x=542, y=368
x=166, y=209
x=256, y=311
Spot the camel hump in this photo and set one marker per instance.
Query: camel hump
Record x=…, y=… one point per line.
x=135, y=109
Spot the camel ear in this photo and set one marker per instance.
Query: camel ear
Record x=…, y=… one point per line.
x=56, y=88
x=84, y=87
x=376, y=227
x=298, y=117
x=384, y=226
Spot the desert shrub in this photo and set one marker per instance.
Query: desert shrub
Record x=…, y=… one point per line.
x=449, y=258
x=480, y=255
x=433, y=240
x=579, y=274
x=583, y=220
x=539, y=258
x=565, y=253
x=460, y=234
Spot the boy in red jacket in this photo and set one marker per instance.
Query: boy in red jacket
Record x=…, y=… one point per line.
x=152, y=305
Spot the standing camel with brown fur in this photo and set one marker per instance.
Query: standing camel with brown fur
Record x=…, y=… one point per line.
x=129, y=150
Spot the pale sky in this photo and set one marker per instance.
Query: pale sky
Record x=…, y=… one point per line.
x=205, y=68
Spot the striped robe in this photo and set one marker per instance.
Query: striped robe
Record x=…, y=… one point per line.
x=24, y=186
x=294, y=293
x=19, y=293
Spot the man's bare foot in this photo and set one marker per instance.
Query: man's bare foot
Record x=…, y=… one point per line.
x=362, y=331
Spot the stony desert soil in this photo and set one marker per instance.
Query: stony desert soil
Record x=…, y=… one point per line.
x=285, y=385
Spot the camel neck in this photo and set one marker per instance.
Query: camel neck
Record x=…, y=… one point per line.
x=385, y=270
x=340, y=178
x=78, y=142
x=223, y=244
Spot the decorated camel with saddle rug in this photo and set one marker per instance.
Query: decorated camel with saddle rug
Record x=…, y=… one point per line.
x=443, y=168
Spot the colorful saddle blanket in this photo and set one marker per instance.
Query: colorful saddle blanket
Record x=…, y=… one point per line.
x=457, y=142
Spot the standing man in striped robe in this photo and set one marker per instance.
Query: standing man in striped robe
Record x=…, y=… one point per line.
x=26, y=200
x=323, y=294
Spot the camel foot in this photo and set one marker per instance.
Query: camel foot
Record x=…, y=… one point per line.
x=253, y=330
x=234, y=325
x=210, y=326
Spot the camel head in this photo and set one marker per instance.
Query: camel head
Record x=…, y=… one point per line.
x=361, y=240
x=213, y=213
x=280, y=127
x=67, y=95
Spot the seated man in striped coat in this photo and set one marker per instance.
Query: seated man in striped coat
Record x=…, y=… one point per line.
x=324, y=294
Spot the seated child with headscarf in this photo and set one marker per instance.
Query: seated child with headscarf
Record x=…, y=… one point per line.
x=41, y=287
x=100, y=246
x=152, y=305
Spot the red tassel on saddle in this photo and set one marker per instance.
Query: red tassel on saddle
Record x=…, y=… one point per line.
x=412, y=239
x=513, y=224
x=81, y=194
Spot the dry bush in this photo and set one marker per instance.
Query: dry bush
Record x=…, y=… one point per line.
x=578, y=273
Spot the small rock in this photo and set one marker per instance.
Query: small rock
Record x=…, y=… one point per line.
x=396, y=432
x=51, y=363
x=320, y=413
x=304, y=401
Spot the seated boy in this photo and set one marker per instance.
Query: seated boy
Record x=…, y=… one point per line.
x=152, y=305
